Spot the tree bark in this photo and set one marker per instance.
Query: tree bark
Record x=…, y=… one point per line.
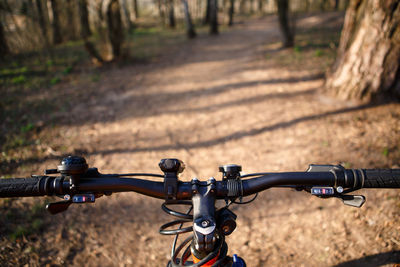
x=136, y=9
x=84, y=16
x=190, y=32
x=70, y=20
x=85, y=31
x=242, y=6
x=42, y=21
x=251, y=7
x=213, y=17
x=261, y=6
x=368, y=58
x=286, y=29
x=127, y=14
x=171, y=14
x=207, y=15
x=231, y=12
x=4, y=50
x=115, y=31
x=336, y=7
x=57, y=38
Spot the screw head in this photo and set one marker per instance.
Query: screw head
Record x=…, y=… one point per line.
x=205, y=223
x=339, y=189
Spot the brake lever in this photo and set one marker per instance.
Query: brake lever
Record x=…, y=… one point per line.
x=57, y=207
x=60, y=206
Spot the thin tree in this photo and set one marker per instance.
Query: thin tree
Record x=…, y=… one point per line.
x=190, y=31
x=161, y=12
x=136, y=9
x=261, y=6
x=368, y=57
x=57, y=38
x=284, y=23
x=213, y=17
x=42, y=22
x=115, y=30
x=171, y=14
x=231, y=11
x=336, y=7
x=4, y=50
x=207, y=15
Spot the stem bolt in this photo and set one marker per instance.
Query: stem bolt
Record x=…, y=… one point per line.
x=205, y=223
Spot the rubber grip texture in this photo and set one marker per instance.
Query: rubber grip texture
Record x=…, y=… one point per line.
x=381, y=178
x=20, y=187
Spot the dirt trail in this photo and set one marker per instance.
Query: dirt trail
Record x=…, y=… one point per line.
x=218, y=100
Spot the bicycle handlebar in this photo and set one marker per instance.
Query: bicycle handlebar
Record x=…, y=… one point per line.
x=346, y=178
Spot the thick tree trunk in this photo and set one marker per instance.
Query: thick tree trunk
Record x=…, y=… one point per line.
x=57, y=38
x=231, y=12
x=286, y=29
x=368, y=58
x=115, y=31
x=84, y=16
x=213, y=17
x=4, y=50
x=190, y=32
x=171, y=14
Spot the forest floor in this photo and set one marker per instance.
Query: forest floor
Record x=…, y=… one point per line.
x=232, y=98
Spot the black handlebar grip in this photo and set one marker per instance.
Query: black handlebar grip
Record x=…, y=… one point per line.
x=382, y=178
x=23, y=187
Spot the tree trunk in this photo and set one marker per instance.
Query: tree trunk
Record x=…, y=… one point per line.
x=127, y=14
x=190, y=32
x=136, y=9
x=171, y=14
x=57, y=38
x=261, y=6
x=161, y=12
x=368, y=58
x=4, y=50
x=85, y=31
x=286, y=29
x=336, y=7
x=70, y=20
x=242, y=6
x=207, y=16
x=231, y=12
x=42, y=22
x=213, y=17
x=115, y=31
x=84, y=16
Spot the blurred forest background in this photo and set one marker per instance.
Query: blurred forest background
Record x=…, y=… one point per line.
x=128, y=82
